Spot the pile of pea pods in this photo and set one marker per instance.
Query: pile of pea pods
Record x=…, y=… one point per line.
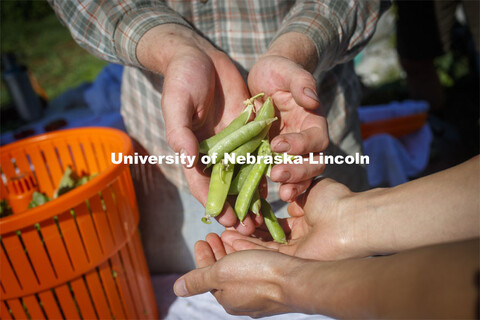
x=240, y=138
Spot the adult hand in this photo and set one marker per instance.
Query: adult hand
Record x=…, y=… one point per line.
x=321, y=227
x=255, y=283
x=203, y=92
x=284, y=74
x=330, y=222
x=261, y=283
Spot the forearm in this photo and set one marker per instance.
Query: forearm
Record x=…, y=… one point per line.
x=438, y=208
x=338, y=30
x=112, y=29
x=296, y=47
x=157, y=46
x=430, y=282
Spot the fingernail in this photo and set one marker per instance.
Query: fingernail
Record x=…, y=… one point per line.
x=283, y=176
x=282, y=146
x=311, y=94
x=179, y=288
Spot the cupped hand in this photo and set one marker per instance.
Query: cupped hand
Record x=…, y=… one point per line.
x=203, y=92
x=302, y=128
x=254, y=282
x=321, y=226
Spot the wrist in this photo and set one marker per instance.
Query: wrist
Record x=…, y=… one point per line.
x=159, y=45
x=316, y=290
x=329, y=286
x=296, y=47
x=371, y=227
x=303, y=290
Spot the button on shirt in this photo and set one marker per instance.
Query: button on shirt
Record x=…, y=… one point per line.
x=243, y=29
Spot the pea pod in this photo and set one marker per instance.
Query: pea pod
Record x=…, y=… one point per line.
x=237, y=123
x=239, y=179
x=249, y=146
x=242, y=204
x=256, y=204
x=217, y=191
x=250, y=100
x=238, y=137
x=272, y=224
x=267, y=111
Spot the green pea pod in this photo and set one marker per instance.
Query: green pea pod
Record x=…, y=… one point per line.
x=239, y=179
x=242, y=204
x=256, y=204
x=249, y=101
x=269, y=170
x=217, y=190
x=249, y=146
x=237, y=123
x=267, y=110
x=272, y=224
x=238, y=137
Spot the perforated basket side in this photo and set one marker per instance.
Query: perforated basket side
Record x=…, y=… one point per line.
x=116, y=289
x=60, y=248
x=77, y=256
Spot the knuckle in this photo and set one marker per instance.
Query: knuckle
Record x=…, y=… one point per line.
x=170, y=134
x=303, y=143
x=193, y=284
x=307, y=77
x=317, y=170
x=303, y=186
x=324, y=185
x=199, y=282
x=324, y=144
x=297, y=172
x=222, y=272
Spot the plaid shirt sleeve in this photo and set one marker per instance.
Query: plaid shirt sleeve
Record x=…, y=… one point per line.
x=338, y=28
x=111, y=29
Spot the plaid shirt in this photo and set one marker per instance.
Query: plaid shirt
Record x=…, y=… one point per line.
x=243, y=29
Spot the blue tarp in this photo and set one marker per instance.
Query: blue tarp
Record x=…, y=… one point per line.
x=394, y=160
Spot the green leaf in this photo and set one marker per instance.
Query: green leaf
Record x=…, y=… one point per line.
x=38, y=199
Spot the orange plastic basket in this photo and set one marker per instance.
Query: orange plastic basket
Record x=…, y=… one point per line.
x=396, y=127
x=78, y=256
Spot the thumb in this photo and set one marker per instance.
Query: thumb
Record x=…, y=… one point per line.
x=276, y=73
x=302, y=86
x=195, y=282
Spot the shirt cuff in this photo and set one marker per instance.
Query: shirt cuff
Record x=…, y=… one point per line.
x=135, y=24
x=314, y=24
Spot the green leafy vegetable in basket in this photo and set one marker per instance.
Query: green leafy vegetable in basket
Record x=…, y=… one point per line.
x=70, y=181
x=5, y=209
x=67, y=183
x=38, y=199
